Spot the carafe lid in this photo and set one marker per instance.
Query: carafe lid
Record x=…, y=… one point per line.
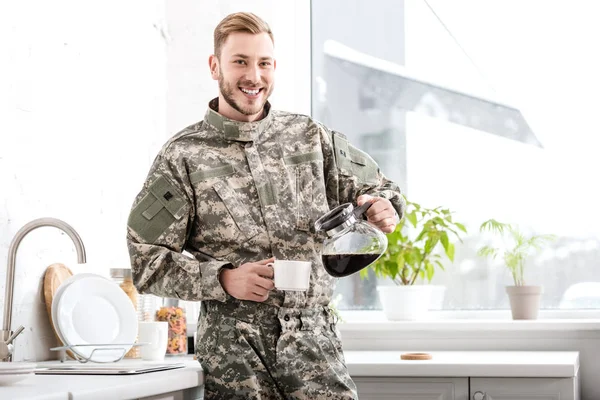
x=339, y=215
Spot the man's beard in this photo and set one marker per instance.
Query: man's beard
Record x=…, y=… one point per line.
x=227, y=91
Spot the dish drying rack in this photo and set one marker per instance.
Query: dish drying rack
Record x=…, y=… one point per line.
x=123, y=347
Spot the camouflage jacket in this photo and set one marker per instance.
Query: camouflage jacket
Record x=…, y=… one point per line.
x=231, y=192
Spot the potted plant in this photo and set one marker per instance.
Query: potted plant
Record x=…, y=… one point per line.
x=524, y=299
x=422, y=240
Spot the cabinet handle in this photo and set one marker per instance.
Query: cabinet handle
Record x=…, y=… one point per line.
x=480, y=395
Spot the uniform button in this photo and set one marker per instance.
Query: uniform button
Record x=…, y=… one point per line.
x=287, y=317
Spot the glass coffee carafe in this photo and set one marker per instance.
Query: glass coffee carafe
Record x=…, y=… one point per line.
x=352, y=243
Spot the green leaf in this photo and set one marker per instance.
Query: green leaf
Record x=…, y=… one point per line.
x=444, y=240
x=440, y=265
x=461, y=227
x=450, y=251
x=430, y=271
x=487, y=251
x=439, y=221
x=492, y=225
x=412, y=218
x=422, y=234
x=430, y=244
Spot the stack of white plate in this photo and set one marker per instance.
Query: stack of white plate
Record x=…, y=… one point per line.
x=12, y=372
x=89, y=309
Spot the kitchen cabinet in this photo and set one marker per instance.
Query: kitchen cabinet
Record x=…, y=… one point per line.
x=412, y=388
x=524, y=389
x=389, y=388
x=466, y=375
x=175, y=384
x=187, y=394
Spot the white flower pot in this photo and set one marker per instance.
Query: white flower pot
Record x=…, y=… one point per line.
x=524, y=301
x=438, y=293
x=405, y=303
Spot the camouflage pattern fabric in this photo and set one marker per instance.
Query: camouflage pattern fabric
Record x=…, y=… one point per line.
x=271, y=353
x=230, y=192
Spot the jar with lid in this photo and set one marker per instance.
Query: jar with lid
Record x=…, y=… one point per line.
x=124, y=278
x=175, y=316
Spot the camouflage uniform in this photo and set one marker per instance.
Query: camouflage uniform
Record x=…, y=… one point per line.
x=233, y=192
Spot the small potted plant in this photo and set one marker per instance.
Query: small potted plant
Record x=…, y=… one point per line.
x=524, y=299
x=422, y=240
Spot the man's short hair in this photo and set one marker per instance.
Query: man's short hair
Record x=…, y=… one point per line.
x=239, y=22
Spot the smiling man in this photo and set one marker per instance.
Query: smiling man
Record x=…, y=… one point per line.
x=237, y=190
x=243, y=64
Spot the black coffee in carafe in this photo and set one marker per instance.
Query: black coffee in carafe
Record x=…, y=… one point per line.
x=340, y=265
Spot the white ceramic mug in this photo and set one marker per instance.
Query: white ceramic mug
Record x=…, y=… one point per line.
x=291, y=274
x=156, y=336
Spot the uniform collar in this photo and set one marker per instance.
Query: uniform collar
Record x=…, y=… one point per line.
x=236, y=130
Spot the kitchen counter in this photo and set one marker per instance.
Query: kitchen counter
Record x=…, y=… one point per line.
x=543, y=364
x=531, y=364
x=102, y=387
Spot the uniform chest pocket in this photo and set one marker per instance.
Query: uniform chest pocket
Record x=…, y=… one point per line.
x=305, y=186
x=223, y=220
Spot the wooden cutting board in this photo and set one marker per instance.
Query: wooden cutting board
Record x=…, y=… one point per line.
x=54, y=276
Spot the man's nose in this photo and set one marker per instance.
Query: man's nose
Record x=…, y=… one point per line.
x=253, y=74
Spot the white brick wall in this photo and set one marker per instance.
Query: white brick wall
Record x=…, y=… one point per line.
x=88, y=94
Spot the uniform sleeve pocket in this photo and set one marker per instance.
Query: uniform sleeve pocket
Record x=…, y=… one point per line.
x=158, y=209
x=352, y=161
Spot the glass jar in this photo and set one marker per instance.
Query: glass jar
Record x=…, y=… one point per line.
x=146, y=307
x=175, y=316
x=124, y=278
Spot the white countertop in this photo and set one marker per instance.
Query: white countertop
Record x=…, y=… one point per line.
x=546, y=364
x=102, y=387
x=543, y=364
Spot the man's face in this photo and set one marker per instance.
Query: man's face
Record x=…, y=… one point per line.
x=246, y=74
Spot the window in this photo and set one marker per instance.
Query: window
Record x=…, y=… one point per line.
x=486, y=108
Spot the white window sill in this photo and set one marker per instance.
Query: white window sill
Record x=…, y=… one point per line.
x=374, y=323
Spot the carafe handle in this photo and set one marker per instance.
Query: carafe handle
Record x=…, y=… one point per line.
x=360, y=210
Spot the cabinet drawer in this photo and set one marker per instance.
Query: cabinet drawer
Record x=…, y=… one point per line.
x=412, y=388
x=525, y=388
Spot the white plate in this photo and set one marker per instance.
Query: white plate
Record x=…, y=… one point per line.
x=95, y=310
x=9, y=379
x=59, y=292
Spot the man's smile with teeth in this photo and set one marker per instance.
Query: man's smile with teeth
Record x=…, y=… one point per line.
x=250, y=91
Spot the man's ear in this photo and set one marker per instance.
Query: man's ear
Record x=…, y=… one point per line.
x=213, y=64
x=274, y=64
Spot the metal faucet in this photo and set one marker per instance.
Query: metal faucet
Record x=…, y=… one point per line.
x=7, y=335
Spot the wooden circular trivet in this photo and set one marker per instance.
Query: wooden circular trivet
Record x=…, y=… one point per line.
x=415, y=356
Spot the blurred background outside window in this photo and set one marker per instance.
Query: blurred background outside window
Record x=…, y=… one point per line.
x=488, y=108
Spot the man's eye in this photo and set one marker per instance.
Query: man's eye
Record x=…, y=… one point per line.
x=265, y=64
x=241, y=62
